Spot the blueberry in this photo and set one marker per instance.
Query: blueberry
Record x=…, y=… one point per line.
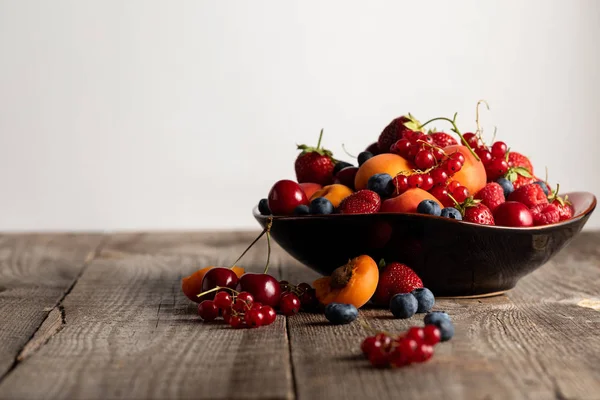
x=543, y=186
x=507, y=186
x=321, y=205
x=452, y=213
x=381, y=184
x=429, y=207
x=403, y=305
x=446, y=329
x=364, y=156
x=435, y=317
x=338, y=313
x=340, y=165
x=424, y=298
x=263, y=207
x=301, y=210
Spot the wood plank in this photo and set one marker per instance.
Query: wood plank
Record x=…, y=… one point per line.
x=534, y=342
x=35, y=273
x=131, y=333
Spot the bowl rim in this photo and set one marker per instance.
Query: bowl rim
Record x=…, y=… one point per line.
x=575, y=218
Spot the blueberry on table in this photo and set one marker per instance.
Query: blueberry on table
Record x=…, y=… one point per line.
x=338, y=313
x=435, y=317
x=446, y=330
x=403, y=305
x=301, y=210
x=340, y=165
x=429, y=207
x=452, y=213
x=506, y=185
x=381, y=184
x=321, y=205
x=425, y=299
x=364, y=156
x=263, y=207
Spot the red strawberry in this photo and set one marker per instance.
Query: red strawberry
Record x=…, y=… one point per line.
x=519, y=160
x=530, y=195
x=545, y=214
x=442, y=139
x=479, y=214
x=395, y=278
x=492, y=195
x=395, y=131
x=314, y=164
x=361, y=202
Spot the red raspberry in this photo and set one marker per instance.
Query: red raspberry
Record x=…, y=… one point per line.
x=545, y=214
x=361, y=202
x=565, y=208
x=442, y=139
x=492, y=195
x=530, y=195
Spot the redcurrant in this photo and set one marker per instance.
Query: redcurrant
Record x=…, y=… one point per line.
x=484, y=155
x=246, y=297
x=236, y=322
x=401, y=147
x=438, y=154
x=269, y=315
x=453, y=166
x=460, y=193
x=457, y=156
x=441, y=193
x=401, y=183
x=452, y=185
x=408, y=346
x=303, y=287
x=432, y=335
x=379, y=358
x=415, y=333
x=415, y=181
x=369, y=344
x=223, y=300
x=439, y=176
x=289, y=304
x=226, y=313
x=427, y=182
x=423, y=353
x=496, y=168
x=499, y=149
x=398, y=358
x=208, y=311
x=424, y=159
x=254, y=318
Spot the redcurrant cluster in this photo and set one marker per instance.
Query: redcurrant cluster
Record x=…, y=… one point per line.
x=298, y=296
x=414, y=346
x=494, y=158
x=435, y=168
x=238, y=309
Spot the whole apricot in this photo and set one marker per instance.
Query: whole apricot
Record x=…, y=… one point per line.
x=472, y=174
x=407, y=202
x=334, y=193
x=387, y=163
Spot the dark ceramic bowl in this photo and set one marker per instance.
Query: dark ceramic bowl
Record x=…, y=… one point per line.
x=452, y=258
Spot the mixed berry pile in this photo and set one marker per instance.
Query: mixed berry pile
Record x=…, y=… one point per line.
x=413, y=170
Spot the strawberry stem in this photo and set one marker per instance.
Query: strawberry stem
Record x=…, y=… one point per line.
x=346, y=151
x=320, y=138
x=455, y=130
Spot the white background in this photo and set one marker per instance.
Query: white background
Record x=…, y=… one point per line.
x=181, y=114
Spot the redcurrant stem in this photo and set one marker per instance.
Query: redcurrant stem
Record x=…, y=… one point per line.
x=478, y=132
x=368, y=327
x=254, y=242
x=320, y=137
x=216, y=289
x=455, y=130
x=268, y=245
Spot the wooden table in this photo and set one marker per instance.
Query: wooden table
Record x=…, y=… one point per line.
x=102, y=316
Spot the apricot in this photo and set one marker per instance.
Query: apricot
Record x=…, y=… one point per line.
x=387, y=163
x=472, y=174
x=192, y=285
x=353, y=283
x=407, y=202
x=334, y=193
x=310, y=188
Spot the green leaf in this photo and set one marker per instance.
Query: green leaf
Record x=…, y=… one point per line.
x=382, y=264
x=511, y=176
x=413, y=124
x=522, y=171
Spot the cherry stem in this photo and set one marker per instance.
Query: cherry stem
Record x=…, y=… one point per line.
x=320, y=137
x=215, y=289
x=346, y=151
x=254, y=242
x=268, y=231
x=455, y=130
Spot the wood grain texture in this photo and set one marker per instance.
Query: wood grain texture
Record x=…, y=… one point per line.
x=35, y=273
x=130, y=333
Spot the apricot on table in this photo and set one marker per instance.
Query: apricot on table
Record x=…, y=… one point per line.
x=407, y=202
x=310, y=188
x=353, y=283
x=387, y=163
x=472, y=174
x=192, y=285
x=334, y=193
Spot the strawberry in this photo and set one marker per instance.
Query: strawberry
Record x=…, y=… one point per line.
x=315, y=164
x=519, y=160
x=492, y=195
x=478, y=213
x=442, y=139
x=545, y=214
x=395, y=131
x=395, y=278
x=361, y=202
x=530, y=195
x=565, y=208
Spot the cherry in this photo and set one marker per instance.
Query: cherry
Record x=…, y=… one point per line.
x=453, y=166
x=439, y=176
x=264, y=288
x=424, y=159
x=496, y=168
x=289, y=304
x=269, y=315
x=223, y=300
x=401, y=147
x=208, y=311
x=512, y=213
x=415, y=333
x=285, y=196
x=484, y=155
x=222, y=277
x=423, y=353
x=303, y=287
x=499, y=149
x=432, y=335
x=460, y=193
x=346, y=176
x=254, y=318
x=415, y=181
x=369, y=344
x=401, y=183
x=235, y=321
x=308, y=299
x=427, y=182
